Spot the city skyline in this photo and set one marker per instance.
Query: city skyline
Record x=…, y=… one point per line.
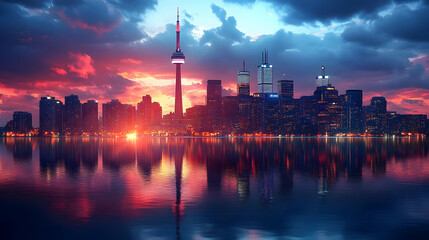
x=120, y=73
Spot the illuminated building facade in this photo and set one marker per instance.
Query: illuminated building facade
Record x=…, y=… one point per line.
x=328, y=110
x=376, y=116
x=265, y=75
x=267, y=112
x=243, y=81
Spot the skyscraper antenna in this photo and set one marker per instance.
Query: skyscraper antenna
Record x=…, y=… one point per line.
x=244, y=65
x=266, y=57
x=323, y=71
x=284, y=76
x=262, y=57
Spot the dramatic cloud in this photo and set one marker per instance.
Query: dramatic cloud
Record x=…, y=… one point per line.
x=97, y=16
x=82, y=65
x=309, y=11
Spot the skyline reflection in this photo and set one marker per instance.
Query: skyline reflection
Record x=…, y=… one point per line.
x=168, y=180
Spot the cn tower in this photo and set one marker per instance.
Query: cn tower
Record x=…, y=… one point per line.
x=178, y=58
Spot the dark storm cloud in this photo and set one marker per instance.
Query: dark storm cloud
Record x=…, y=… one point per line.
x=406, y=24
x=364, y=34
x=310, y=11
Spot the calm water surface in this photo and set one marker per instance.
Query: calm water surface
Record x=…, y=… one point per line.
x=214, y=188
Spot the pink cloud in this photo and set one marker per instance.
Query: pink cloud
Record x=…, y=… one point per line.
x=82, y=65
x=130, y=60
x=59, y=71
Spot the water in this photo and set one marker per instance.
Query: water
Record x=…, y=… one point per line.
x=214, y=188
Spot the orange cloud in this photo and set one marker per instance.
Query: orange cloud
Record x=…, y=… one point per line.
x=59, y=71
x=82, y=65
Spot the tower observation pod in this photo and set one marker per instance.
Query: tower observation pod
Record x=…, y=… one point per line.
x=178, y=58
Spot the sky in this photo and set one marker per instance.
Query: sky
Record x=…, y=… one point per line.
x=121, y=49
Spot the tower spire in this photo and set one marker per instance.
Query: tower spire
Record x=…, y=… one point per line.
x=266, y=57
x=178, y=58
x=178, y=32
x=244, y=65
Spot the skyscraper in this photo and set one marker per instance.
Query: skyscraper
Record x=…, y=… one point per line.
x=50, y=115
x=149, y=114
x=289, y=107
x=22, y=122
x=376, y=116
x=265, y=75
x=90, y=117
x=323, y=79
x=112, y=112
x=243, y=81
x=178, y=58
x=72, y=115
x=285, y=89
x=214, y=104
x=328, y=109
x=353, y=111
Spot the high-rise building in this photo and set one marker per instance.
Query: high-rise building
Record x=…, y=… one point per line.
x=72, y=115
x=289, y=108
x=353, y=111
x=178, y=58
x=243, y=81
x=267, y=114
x=376, y=116
x=90, y=117
x=328, y=109
x=265, y=75
x=308, y=115
x=149, y=114
x=245, y=113
x=50, y=116
x=214, y=105
x=285, y=89
x=128, y=118
x=22, y=122
x=112, y=113
x=195, y=117
x=230, y=114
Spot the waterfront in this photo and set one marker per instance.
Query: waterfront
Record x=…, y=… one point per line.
x=214, y=188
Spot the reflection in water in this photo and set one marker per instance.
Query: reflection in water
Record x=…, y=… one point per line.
x=220, y=187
